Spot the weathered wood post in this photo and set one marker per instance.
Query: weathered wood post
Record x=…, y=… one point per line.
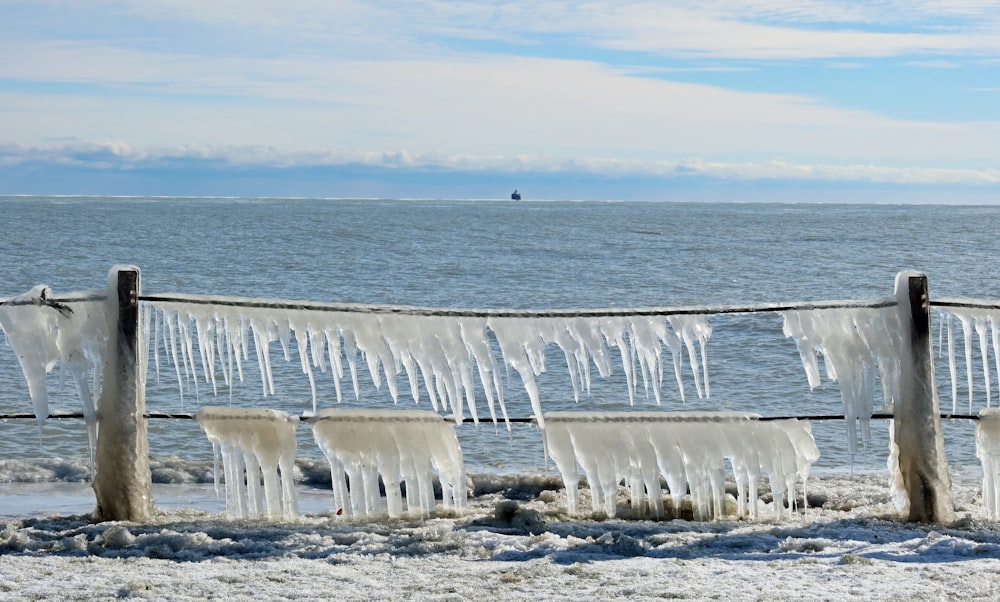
x=122, y=482
x=917, y=418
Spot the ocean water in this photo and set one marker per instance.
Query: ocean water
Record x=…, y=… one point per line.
x=494, y=254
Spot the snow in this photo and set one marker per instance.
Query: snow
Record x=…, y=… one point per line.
x=444, y=352
x=403, y=448
x=688, y=450
x=255, y=445
x=513, y=542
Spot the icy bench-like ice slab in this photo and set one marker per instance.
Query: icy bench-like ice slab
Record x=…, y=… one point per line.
x=403, y=447
x=256, y=445
x=688, y=449
x=988, y=452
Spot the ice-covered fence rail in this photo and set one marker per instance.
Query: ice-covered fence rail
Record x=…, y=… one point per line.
x=521, y=419
x=446, y=347
x=407, y=310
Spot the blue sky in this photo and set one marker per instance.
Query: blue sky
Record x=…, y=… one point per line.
x=783, y=99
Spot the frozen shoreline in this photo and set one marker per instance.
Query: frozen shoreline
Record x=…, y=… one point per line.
x=510, y=544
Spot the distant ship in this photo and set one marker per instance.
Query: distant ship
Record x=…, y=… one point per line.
x=515, y=196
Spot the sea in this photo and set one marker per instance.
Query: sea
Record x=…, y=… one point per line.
x=488, y=254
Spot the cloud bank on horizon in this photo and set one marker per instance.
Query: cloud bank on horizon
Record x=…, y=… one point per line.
x=790, y=91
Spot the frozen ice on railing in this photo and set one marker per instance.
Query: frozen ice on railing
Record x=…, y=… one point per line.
x=985, y=323
x=72, y=338
x=856, y=344
x=445, y=353
x=688, y=450
x=257, y=447
x=402, y=447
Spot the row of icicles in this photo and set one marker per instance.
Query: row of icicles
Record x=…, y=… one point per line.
x=401, y=452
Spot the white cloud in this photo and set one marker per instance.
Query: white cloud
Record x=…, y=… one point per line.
x=325, y=82
x=779, y=29
x=474, y=105
x=121, y=156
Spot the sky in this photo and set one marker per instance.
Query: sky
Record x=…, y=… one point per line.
x=723, y=100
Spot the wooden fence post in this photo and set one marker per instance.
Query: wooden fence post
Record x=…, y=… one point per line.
x=917, y=416
x=122, y=482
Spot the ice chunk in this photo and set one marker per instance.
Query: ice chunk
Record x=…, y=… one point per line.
x=988, y=452
x=403, y=448
x=688, y=449
x=256, y=446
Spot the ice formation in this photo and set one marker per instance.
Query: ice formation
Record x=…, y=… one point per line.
x=688, y=450
x=857, y=344
x=71, y=336
x=402, y=447
x=988, y=452
x=446, y=352
x=985, y=325
x=257, y=447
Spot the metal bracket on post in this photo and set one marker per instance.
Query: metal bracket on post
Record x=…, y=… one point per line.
x=917, y=416
x=123, y=482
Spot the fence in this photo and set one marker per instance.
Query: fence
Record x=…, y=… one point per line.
x=122, y=482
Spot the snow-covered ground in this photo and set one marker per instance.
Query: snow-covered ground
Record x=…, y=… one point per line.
x=513, y=542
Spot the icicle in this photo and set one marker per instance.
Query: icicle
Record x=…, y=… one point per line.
x=995, y=338
x=952, y=368
x=980, y=324
x=967, y=334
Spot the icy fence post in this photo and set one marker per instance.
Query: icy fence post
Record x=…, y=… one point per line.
x=122, y=480
x=917, y=420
